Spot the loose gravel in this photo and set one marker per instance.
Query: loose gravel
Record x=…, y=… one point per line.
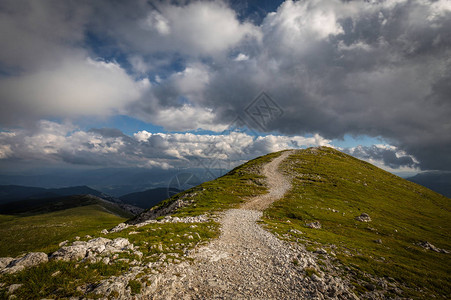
x=247, y=262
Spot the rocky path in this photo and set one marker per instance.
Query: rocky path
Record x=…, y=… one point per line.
x=247, y=262
x=278, y=185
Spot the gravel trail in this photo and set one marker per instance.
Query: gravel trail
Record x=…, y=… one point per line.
x=247, y=262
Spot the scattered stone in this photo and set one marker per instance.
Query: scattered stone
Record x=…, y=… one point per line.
x=315, y=277
x=314, y=225
x=295, y=231
x=379, y=241
x=13, y=287
x=77, y=238
x=170, y=219
x=104, y=231
x=56, y=273
x=63, y=243
x=370, y=287
x=119, y=227
x=29, y=260
x=428, y=246
x=364, y=217
x=321, y=251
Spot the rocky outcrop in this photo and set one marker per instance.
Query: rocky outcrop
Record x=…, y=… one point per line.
x=428, y=246
x=94, y=250
x=4, y=261
x=90, y=249
x=70, y=253
x=164, y=210
x=29, y=260
x=167, y=219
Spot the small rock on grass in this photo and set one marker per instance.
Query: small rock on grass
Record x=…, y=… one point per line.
x=321, y=251
x=314, y=225
x=364, y=217
x=13, y=287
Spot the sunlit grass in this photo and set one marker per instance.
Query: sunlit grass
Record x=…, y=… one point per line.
x=334, y=188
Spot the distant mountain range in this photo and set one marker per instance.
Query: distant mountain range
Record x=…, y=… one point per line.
x=48, y=205
x=436, y=181
x=16, y=199
x=148, y=198
x=112, y=181
x=12, y=193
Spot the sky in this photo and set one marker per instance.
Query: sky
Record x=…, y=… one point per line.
x=174, y=85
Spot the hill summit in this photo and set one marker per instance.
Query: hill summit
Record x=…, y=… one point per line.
x=312, y=223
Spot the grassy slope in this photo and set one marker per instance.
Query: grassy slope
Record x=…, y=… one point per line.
x=224, y=192
x=402, y=213
x=325, y=179
x=43, y=232
x=208, y=198
x=46, y=205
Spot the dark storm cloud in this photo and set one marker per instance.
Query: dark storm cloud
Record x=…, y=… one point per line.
x=392, y=158
x=380, y=69
x=368, y=69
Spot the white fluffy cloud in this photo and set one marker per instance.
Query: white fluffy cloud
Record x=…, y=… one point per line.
x=76, y=87
x=55, y=142
x=196, y=28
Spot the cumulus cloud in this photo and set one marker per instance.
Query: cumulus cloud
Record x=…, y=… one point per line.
x=46, y=73
x=195, y=28
x=385, y=155
x=54, y=142
x=374, y=68
x=76, y=87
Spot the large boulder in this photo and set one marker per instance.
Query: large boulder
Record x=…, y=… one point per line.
x=116, y=245
x=97, y=245
x=70, y=253
x=97, y=242
x=4, y=261
x=29, y=260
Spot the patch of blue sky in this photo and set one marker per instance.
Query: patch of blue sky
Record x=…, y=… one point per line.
x=126, y=124
x=350, y=141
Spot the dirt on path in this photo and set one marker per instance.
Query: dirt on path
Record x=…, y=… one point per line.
x=278, y=185
x=247, y=262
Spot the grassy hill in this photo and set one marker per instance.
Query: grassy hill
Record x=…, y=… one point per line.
x=40, y=224
x=329, y=187
x=43, y=232
x=46, y=205
x=333, y=188
x=13, y=193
